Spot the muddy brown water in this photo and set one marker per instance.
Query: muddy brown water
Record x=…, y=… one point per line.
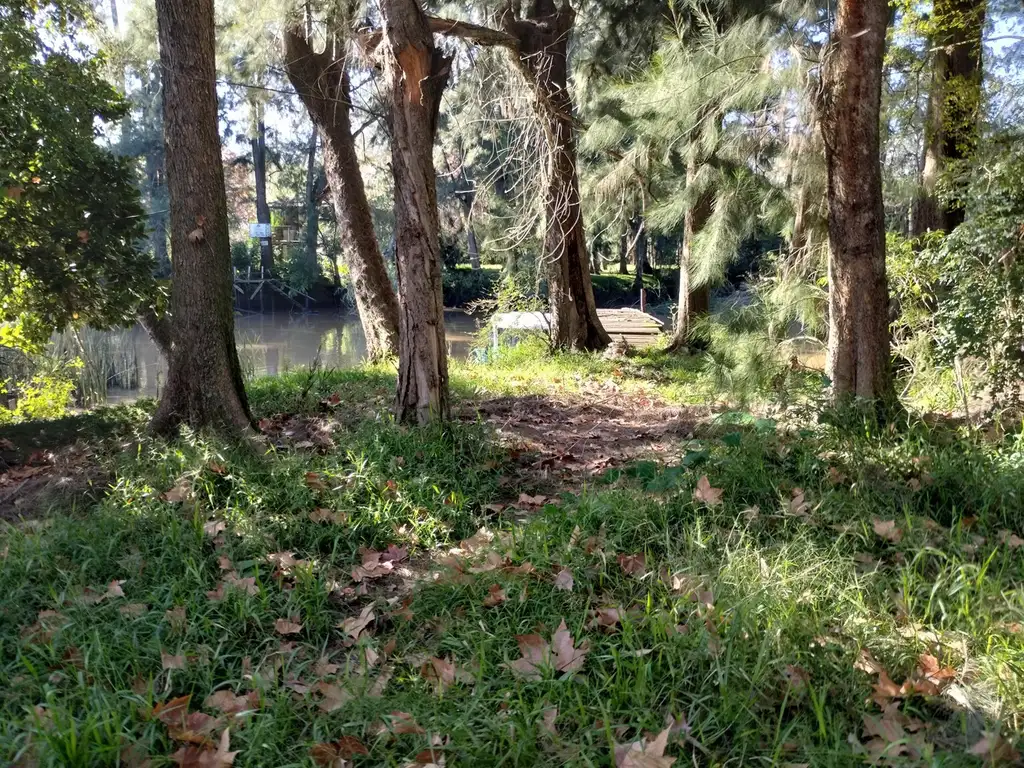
x=271, y=344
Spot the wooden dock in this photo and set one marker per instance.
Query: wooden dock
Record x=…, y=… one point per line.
x=639, y=329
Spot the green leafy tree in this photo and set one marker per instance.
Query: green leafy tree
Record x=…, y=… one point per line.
x=71, y=222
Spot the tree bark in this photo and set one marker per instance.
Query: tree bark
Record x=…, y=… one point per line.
x=159, y=329
x=694, y=301
x=954, y=107
x=858, y=360
x=416, y=73
x=640, y=251
x=312, y=208
x=542, y=56
x=259, y=165
x=624, y=250
x=322, y=82
x=204, y=379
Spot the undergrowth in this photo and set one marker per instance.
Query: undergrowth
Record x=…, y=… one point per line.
x=758, y=597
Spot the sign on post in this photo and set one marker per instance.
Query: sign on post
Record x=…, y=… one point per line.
x=260, y=231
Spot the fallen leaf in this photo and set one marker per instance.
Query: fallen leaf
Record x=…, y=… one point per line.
x=532, y=501
x=356, y=625
x=1011, y=540
x=133, y=609
x=644, y=753
x=114, y=589
x=564, y=580
x=560, y=654
x=228, y=703
x=607, y=618
x=887, y=530
x=885, y=689
x=214, y=527
x=547, y=720
x=198, y=757
x=706, y=494
x=633, y=565
x=283, y=560
x=167, y=661
x=443, y=673
x=324, y=515
x=994, y=749
x=335, y=696
x=176, y=618
x=287, y=626
x=495, y=596
x=400, y=723
x=181, y=490
x=797, y=677
x=798, y=504
x=324, y=667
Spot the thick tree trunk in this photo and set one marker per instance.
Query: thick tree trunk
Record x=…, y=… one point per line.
x=542, y=57
x=204, y=379
x=416, y=73
x=312, y=208
x=694, y=300
x=322, y=82
x=159, y=329
x=858, y=360
x=259, y=166
x=954, y=107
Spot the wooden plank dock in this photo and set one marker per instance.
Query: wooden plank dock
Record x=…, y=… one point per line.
x=639, y=329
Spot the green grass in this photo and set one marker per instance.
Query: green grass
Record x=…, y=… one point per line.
x=759, y=599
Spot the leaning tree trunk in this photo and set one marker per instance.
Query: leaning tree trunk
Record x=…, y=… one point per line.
x=858, y=360
x=259, y=165
x=204, y=379
x=694, y=300
x=322, y=82
x=954, y=107
x=416, y=73
x=542, y=56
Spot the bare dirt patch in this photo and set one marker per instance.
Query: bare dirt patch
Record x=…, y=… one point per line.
x=566, y=441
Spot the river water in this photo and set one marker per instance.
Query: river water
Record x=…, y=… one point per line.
x=270, y=344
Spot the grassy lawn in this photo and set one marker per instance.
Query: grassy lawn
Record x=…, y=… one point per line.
x=809, y=592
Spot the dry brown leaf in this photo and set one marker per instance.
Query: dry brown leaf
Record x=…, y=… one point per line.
x=176, y=618
x=994, y=749
x=443, y=673
x=644, y=753
x=527, y=500
x=354, y=626
x=547, y=720
x=335, y=754
x=133, y=609
x=798, y=504
x=495, y=596
x=706, y=494
x=887, y=530
x=400, y=723
x=290, y=626
x=282, y=560
x=335, y=696
x=167, y=661
x=633, y=565
x=325, y=515
x=230, y=704
x=560, y=654
x=181, y=490
x=205, y=757
x=564, y=580
x=324, y=667
x=214, y=527
x=1011, y=540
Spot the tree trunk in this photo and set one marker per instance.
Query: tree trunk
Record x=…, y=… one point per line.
x=624, y=250
x=694, y=301
x=159, y=329
x=259, y=166
x=416, y=73
x=954, y=107
x=204, y=378
x=640, y=251
x=472, y=246
x=322, y=82
x=542, y=57
x=858, y=361
x=312, y=208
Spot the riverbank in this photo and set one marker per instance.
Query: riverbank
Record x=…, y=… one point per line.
x=597, y=563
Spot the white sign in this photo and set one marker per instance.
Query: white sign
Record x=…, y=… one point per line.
x=259, y=230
